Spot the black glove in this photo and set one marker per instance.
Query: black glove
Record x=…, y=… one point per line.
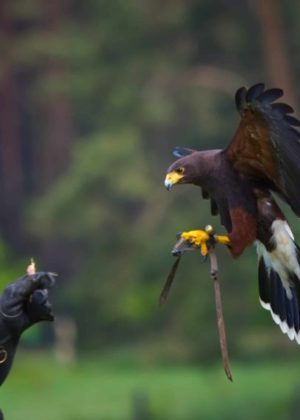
x=23, y=303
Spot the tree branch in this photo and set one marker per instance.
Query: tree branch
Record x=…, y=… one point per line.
x=219, y=310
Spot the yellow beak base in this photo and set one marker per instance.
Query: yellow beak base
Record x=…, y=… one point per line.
x=172, y=178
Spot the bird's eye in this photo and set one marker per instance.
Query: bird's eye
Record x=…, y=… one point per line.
x=180, y=171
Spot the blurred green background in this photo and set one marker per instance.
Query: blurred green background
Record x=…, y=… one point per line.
x=94, y=95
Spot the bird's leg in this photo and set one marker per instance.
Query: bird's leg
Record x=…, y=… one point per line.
x=222, y=239
x=204, y=239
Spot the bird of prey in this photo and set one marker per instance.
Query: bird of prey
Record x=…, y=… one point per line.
x=262, y=158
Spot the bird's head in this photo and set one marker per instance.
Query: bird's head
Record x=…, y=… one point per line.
x=178, y=173
x=192, y=167
x=183, y=170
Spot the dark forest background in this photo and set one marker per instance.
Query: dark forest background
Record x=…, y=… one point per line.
x=94, y=95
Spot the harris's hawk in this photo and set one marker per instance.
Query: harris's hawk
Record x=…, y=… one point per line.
x=263, y=158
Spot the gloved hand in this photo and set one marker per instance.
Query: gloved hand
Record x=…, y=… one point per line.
x=23, y=303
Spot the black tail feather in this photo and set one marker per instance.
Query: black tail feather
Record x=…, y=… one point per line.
x=263, y=282
x=282, y=302
x=296, y=314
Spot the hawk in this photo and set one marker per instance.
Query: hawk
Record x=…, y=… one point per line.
x=262, y=158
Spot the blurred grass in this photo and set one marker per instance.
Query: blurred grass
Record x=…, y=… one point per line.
x=102, y=388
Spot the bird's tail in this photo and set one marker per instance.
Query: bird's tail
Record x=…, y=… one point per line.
x=279, y=282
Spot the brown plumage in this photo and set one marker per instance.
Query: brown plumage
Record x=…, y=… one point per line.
x=263, y=157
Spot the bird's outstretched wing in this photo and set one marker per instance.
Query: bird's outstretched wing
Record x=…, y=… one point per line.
x=266, y=145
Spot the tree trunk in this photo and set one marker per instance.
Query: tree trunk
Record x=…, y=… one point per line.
x=11, y=179
x=57, y=113
x=275, y=48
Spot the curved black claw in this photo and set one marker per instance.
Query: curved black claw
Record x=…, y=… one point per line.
x=182, y=246
x=204, y=258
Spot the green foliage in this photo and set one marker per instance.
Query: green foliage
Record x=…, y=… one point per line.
x=11, y=268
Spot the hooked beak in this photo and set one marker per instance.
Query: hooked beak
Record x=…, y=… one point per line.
x=171, y=179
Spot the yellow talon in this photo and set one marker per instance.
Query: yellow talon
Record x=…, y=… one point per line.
x=203, y=249
x=222, y=239
x=199, y=238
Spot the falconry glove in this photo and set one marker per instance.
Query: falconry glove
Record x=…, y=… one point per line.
x=22, y=304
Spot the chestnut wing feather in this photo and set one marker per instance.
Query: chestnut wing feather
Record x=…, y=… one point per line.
x=266, y=145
